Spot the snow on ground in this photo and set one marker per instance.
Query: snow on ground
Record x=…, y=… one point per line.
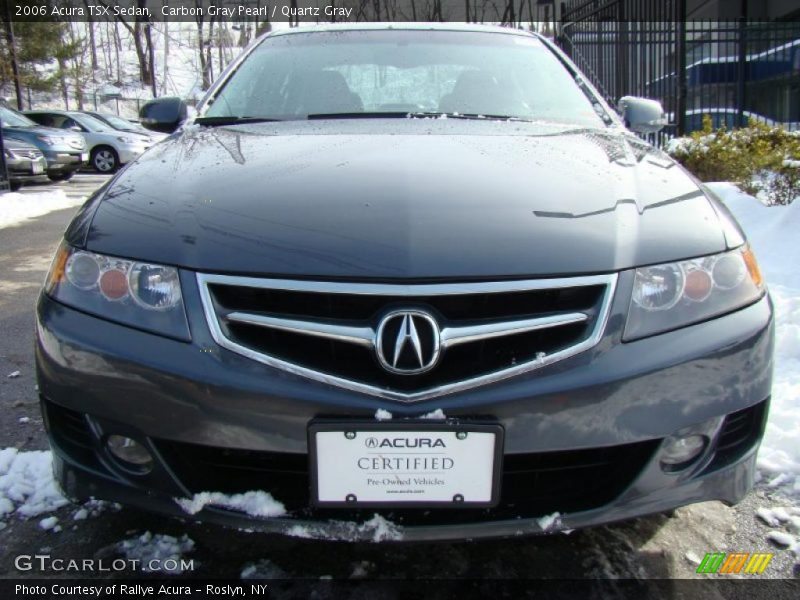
x=772, y=233
x=254, y=503
x=262, y=569
x=49, y=523
x=27, y=490
x=157, y=552
x=17, y=208
x=27, y=487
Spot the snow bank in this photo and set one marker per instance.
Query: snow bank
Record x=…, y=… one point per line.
x=254, y=503
x=772, y=232
x=17, y=208
x=27, y=487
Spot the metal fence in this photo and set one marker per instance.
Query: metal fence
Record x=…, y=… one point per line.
x=732, y=71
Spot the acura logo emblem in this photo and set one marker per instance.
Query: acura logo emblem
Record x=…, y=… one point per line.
x=407, y=342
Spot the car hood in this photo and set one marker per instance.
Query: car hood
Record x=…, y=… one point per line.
x=30, y=133
x=404, y=199
x=14, y=144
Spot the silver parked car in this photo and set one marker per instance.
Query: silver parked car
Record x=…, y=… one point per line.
x=24, y=162
x=123, y=124
x=108, y=148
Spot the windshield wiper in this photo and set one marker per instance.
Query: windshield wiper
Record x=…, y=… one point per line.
x=468, y=116
x=232, y=120
x=360, y=115
x=414, y=115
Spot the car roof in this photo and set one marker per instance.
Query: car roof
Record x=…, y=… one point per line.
x=47, y=111
x=465, y=27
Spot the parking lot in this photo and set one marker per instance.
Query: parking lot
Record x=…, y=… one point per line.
x=660, y=546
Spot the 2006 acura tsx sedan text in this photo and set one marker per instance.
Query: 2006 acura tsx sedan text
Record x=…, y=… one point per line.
x=409, y=282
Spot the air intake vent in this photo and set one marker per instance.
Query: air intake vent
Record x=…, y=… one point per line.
x=740, y=431
x=71, y=433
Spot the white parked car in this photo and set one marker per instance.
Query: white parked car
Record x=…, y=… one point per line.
x=123, y=124
x=109, y=148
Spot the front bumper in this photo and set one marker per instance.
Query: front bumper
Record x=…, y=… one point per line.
x=729, y=485
x=65, y=160
x=615, y=395
x=25, y=168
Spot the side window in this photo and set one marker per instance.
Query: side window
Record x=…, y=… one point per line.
x=56, y=121
x=41, y=119
x=258, y=89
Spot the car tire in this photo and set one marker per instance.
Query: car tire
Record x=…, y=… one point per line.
x=60, y=176
x=14, y=185
x=104, y=159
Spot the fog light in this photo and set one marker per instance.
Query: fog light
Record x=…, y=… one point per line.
x=132, y=454
x=679, y=450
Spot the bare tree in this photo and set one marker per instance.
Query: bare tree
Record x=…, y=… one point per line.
x=92, y=41
x=165, y=68
x=204, y=46
x=141, y=33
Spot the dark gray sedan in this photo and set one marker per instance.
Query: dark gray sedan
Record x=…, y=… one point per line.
x=405, y=283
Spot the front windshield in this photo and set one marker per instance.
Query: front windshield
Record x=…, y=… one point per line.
x=296, y=75
x=10, y=118
x=119, y=122
x=91, y=123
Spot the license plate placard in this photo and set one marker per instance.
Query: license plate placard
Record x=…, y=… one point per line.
x=405, y=463
x=37, y=168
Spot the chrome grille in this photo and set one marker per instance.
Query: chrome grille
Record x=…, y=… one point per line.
x=328, y=331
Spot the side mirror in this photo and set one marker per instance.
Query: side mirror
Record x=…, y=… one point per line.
x=163, y=114
x=642, y=115
x=77, y=128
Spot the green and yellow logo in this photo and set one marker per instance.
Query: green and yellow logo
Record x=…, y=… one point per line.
x=735, y=562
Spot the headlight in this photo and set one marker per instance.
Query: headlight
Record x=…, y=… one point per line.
x=46, y=139
x=126, y=140
x=142, y=295
x=9, y=153
x=675, y=295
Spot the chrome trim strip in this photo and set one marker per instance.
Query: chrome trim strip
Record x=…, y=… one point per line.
x=363, y=336
x=396, y=289
x=366, y=336
x=203, y=280
x=452, y=336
